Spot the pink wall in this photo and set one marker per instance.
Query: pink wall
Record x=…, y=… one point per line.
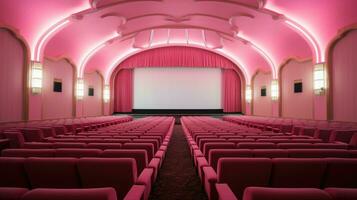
x=262, y=106
x=11, y=77
x=344, y=84
x=297, y=105
x=57, y=104
x=92, y=105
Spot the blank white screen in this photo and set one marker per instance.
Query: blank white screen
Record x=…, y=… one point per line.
x=177, y=88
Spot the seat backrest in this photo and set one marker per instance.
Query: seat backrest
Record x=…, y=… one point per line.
x=104, y=146
x=298, y=172
x=38, y=145
x=256, y=145
x=203, y=141
x=330, y=146
x=16, y=139
x=69, y=145
x=12, y=172
x=28, y=153
x=216, y=145
x=140, y=156
x=146, y=146
x=119, y=173
x=323, y=134
x=52, y=172
x=77, y=153
x=342, y=136
x=71, y=194
x=318, y=153
x=270, y=153
x=240, y=173
x=295, y=146
x=263, y=193
x=152, y=141
x=341, y=172
x=215, y=154
x=342, y=193
x=309, y=131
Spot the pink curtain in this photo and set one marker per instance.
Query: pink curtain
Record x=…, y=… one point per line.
x=177, y=57
x=231, y=91
x=123, y=101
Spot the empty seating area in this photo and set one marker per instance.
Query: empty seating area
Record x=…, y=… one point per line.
x=231, y=156
x=125, y=156
x=327, y=131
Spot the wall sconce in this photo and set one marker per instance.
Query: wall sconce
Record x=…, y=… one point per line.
x=80, y=89
x=36, y=77
x=248, y=94
x=319, y=79
x=106, y=94
x=274, y=90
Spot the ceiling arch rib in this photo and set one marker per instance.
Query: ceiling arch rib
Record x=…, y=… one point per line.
x=259, y=51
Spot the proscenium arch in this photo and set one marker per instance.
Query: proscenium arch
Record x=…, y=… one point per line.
x=241, y=68
x=118, y=68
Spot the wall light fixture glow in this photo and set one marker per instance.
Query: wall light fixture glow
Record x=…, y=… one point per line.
x=106, y=94
x=319, y=79
x=36, y=77
x=318, y=55
x=40, y=43
x=248, y=94
x=80, y=88
x=274, y=89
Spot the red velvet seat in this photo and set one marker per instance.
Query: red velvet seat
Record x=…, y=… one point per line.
x=318, y=153
x=71, y=194
x=140, y=156
x=262, y=193
x=216, y=145
x=77, y=153
x=104, y=146
x=12, y=173
x=155, y=143
x=256, y=145
x=52, y=172
x=28, y=153
x=341, y=172
x=240, y=173
x=69, y=145
x=216, y=154
x=342, y=193
x=119, y=173
x=344, y=136
x=206, y=140
x=146, y=146
x=12, y=193
x=270, y=153
x=300, y=173
x=38, y=145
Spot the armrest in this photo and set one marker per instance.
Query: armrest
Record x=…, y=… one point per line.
x=224, y=192
x=201, y=162
x=136, y=192
x=145, y=177
x=210, y=180
x=155, y=165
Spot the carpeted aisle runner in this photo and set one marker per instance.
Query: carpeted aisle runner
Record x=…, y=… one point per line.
x=177, y=178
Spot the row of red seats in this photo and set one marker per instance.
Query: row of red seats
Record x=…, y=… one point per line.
x=275, y=122
x=12, y=193
x=147, y=153
x=9, y=138
x=240, y=173
x=119, y=173
x=264, y=193
x=216, y=148
x=346, y=135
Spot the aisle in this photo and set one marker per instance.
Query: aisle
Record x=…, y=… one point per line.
x=178, y=179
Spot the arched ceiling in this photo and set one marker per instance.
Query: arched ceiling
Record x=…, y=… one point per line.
x=255, y=34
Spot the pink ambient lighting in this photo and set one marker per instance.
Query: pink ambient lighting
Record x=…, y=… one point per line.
x=319, y=57
x=262, y=53
x=36, y=56
x=93, y=51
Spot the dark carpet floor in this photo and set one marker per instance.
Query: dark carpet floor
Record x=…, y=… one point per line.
x=177, y=179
